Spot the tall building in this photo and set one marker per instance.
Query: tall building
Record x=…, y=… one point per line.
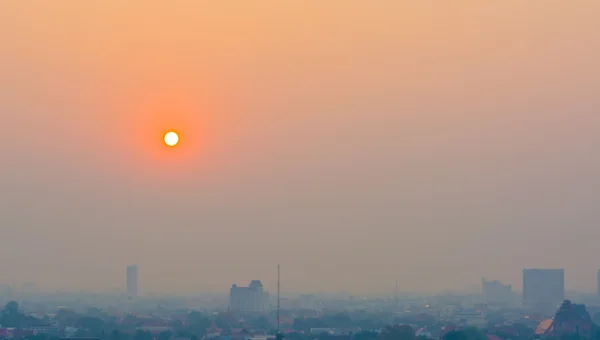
x=249, y=299
x=598, y=282
x=495, y=291
x=543, y=286
x=132, y=281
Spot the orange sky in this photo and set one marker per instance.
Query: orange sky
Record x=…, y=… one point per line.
x=353, y=142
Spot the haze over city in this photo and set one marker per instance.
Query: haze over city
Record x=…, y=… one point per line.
x=356, y=143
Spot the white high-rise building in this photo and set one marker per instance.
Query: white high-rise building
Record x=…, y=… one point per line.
x=249, y=299
x=132, y=281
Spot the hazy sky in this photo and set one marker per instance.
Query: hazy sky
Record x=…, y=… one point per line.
x=353, y=142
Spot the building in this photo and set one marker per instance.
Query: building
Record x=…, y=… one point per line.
x=598, y=282
x=132, y=281
x=495, y=291
x=543, y=286
x=249, y=299
x=570, y=320
x=470, y=317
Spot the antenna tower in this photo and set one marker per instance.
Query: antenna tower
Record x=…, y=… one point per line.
x=396, y=296
x=278, y=291
x=279, y=336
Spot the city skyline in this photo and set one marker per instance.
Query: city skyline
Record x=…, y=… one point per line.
x=299, y=170
x=130, y=288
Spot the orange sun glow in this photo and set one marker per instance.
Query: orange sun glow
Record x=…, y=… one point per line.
x=171, y=138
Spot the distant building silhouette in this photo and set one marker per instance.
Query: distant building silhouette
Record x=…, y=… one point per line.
x=543, y=286
x=249, y=299
x=132, y=281
x=598, y=282
x=495, y=291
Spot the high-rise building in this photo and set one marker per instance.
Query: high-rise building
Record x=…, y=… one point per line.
x=543, y=286
x=249, y=299
x=598, y=282
x=132, y=281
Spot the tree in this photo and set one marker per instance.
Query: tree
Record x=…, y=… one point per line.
x=94, y=325
x=523, y=331
x=370, y=323
x=11, y=317
x=141, y=335
x=194, y=317
x=470, y=333
x=96, y=313
x=110, y=324
x=226, y=321
x=456, y=335
x=260, y=322
x=11, y=308
x=67, y=317
x=305, y=324
x=132, y=320
x=325, y=336
x=115, y=334
x=474, y=334
x=295, y=336
x=178, y=327
x=165, y=335
x=197, y=323
x=365, y=335
x=494, y=318
x=397, y=332
x=340, y=320
x=37, y=337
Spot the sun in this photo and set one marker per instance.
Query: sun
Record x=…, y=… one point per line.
x=171, y=138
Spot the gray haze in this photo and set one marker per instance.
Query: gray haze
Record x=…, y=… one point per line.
x=356, y=143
